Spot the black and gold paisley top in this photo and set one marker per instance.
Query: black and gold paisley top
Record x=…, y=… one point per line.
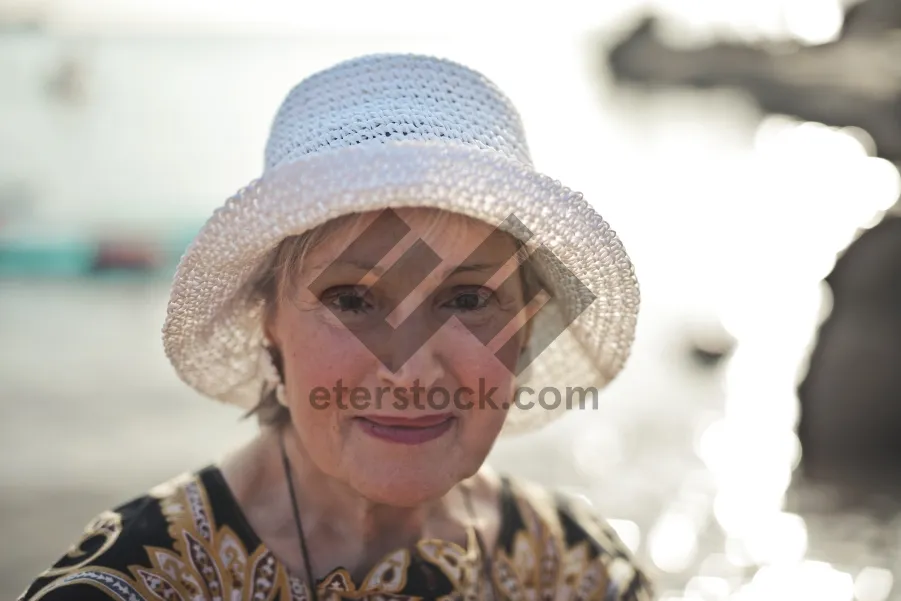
x=187, y=540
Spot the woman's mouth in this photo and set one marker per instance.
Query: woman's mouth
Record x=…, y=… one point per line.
x=408, y=431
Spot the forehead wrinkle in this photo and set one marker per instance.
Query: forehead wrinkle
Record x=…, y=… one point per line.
x=443, y=231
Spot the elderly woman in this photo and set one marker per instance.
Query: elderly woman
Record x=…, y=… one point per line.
x=397, y=290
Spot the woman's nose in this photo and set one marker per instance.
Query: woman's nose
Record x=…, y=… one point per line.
x=410, y=363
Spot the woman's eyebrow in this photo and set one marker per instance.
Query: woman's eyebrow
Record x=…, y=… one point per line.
x=378, y=270
x=466, y=267
x=361, y=264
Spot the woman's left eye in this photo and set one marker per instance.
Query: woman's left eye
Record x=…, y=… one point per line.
x=470, y=299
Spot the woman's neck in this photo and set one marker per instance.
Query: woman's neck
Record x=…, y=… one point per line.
x=342, y=529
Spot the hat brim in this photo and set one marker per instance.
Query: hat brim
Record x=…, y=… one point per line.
x=213, y=332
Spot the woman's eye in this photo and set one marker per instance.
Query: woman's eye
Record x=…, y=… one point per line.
x=347, y=299
x=471, y=300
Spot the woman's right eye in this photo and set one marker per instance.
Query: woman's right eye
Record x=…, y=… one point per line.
x=347, y=299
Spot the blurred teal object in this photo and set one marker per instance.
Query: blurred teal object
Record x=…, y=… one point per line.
x=58, y=258
x=29, y=254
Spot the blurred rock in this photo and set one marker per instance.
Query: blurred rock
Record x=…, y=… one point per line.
x=855, y=81
x=851, y=397
x=874, y=16
x=710, y=347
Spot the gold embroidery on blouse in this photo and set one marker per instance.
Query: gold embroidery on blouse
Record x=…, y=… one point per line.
x=113, y=583
x=540, y=568
x=211, y=562
x=461, y=566
x=107, y=525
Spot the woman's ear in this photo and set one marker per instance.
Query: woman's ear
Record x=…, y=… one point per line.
x=269, y=339
x=270, y=317
x=271, y=347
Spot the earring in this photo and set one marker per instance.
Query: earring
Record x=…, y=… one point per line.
x=270, y=373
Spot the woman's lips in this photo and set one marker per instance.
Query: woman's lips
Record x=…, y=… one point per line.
x=409, y=431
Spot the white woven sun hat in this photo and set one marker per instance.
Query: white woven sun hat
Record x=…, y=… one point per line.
x=391, y=131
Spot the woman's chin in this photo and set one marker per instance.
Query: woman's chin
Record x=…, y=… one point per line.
x=402, y=490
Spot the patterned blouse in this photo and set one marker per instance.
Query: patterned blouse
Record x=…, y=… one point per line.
x=188, y=540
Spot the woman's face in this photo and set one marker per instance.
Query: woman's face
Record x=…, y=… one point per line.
x=392, y=369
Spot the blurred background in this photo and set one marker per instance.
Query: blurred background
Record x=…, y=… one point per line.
x=744, y=150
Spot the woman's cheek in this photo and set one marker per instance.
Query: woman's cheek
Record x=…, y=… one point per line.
x=477, y=369
x=324, y=357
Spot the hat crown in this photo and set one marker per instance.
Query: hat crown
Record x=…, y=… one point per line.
x=387, y=98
